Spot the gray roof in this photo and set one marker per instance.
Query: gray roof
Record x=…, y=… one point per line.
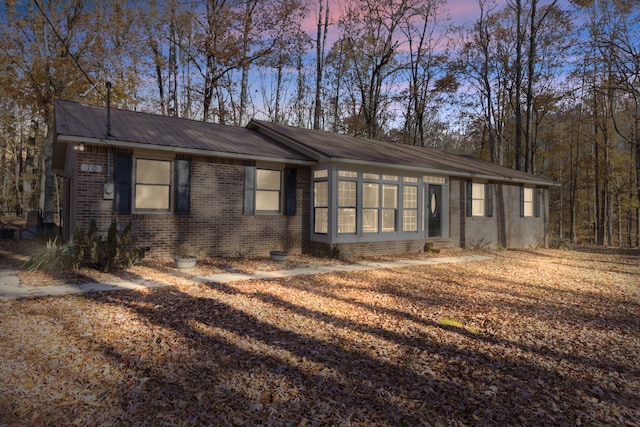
x=75, y=121
x=260, y=140
x=331, y=148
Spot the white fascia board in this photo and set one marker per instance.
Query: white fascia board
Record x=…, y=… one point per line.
x=193, y=151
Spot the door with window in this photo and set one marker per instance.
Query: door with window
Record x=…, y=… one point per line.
x=434, y=209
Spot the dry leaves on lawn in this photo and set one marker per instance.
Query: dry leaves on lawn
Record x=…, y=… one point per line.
x=529, y=337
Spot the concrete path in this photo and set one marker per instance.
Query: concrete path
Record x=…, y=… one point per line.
x=10, y=287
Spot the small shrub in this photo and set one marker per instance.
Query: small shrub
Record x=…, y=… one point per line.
x=561, y=243
x=241, y=254
x=90, y=250
x=50, y=258
x=335, y=252
x=480, y=244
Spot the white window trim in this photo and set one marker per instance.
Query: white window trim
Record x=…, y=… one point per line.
x=529, y=208
x=338, y=173
x=280, y=192
x=477, y=202
x=134, y=184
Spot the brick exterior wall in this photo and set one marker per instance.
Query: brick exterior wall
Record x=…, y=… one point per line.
x=215, y=225
x=506, y=228
x=367, y=249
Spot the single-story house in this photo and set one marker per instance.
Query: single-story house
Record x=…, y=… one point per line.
x=235, y=190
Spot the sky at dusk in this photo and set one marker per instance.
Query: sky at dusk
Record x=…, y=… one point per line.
x=461, y=12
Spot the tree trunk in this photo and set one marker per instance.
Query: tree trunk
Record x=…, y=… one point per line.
x=320, y=46
x=48, y=187
x=518, y=88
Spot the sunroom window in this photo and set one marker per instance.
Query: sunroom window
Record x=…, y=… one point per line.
x=389, y=207
x=321, y=207
x=410, y=208
x=347, y=207
x=370, y=205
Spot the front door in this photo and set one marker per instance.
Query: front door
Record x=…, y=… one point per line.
x=434, y=201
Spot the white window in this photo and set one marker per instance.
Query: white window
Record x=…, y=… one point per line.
x=348, y=174
x=410, y=208
x=389, y=207
x=434, y=179
x=321, y=173
x=268, y=190
x=528, y=201
x=370, y=205
x=152, y=185
x=478, y=199
x=346, y=207
x=321, y=207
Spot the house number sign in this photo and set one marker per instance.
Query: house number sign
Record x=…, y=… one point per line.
x=91, y=168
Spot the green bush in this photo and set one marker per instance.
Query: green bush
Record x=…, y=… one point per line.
x=50, y=258
x=89, y=250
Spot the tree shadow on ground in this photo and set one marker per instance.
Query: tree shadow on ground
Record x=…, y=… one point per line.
x=264, y=359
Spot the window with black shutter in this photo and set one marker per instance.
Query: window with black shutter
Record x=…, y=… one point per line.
x=122, y=183
x=183, y=186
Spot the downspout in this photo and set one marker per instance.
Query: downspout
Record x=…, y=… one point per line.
x=108, y=109
x=108, y=189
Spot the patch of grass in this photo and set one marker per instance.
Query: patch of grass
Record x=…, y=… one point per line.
x=454, y=323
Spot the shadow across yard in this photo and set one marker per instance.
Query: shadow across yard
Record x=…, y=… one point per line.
x=486, y=343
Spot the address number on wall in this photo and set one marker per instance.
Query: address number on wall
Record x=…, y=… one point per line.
x=91, y=168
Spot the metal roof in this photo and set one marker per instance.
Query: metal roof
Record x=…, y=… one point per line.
x=260, y=140
x=76, y=121
x=330, y=147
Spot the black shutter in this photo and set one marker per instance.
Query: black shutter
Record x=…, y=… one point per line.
x=469, y=198
x=122, y=183
x=536, y=205
x=249, y=202
x=522, y=200
x=183, y=186
x=489, y=195
x=290, y=192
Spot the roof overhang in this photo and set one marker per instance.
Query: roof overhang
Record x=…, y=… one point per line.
x=108, y=142
x=286, y=140
x=442, y=172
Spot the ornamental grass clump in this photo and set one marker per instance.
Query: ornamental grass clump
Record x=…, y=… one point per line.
x=89, y=250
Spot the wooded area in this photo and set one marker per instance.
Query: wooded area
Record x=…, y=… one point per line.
x=549, y=87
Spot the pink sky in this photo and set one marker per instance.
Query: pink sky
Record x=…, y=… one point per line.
x=461, y=12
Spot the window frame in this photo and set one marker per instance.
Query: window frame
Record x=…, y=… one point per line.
x=341, y=209
x=389, y=188
x=475, y=203
x=478, y=203
x=321, y=207
x=530, y=208
x=370, y=206
x=387, y=210
x=412, y=209
x=279, y=191
x=135, y=185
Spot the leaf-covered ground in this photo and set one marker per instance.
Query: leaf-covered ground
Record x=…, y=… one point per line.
x=538, y=337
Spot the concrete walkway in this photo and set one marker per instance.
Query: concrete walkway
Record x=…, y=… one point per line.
x=10, y=287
